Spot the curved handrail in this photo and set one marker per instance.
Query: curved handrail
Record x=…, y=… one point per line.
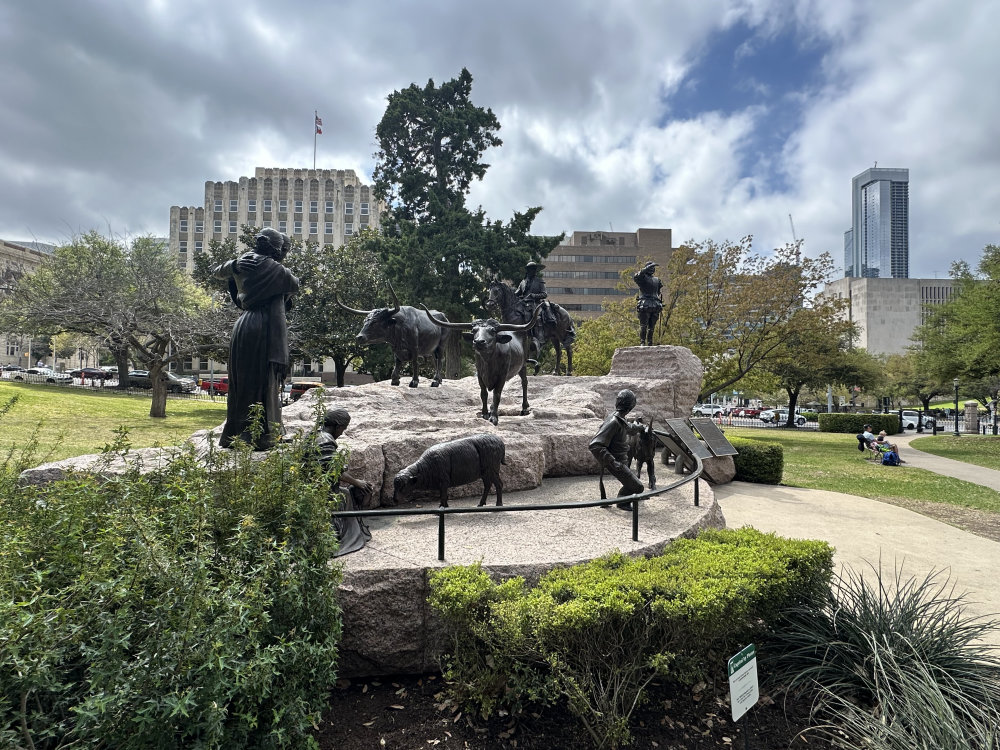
x=442, y=512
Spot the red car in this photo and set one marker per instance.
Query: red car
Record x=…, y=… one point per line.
x=215, y=385
x=747, y=412
x=297, y=389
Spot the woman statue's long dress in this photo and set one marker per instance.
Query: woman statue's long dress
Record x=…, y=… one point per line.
x=258, y=354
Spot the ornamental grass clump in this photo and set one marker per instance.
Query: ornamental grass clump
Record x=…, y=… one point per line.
x=193, y=606
x=595, y=635
x=894, y=663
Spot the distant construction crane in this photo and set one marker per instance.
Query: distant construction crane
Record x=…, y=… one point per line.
x=798, y=257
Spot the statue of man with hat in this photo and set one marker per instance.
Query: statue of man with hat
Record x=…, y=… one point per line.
x=532, y=291
x=649, y=302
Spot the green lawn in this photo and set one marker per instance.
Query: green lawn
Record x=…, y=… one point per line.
x=73, y=421
x=973, y=449
x=831, y=461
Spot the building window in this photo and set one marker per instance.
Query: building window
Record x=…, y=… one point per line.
x=198, y=246
x=232, y=227
x=348, y=229
x=329, y=207
x=313, y=227
x=267, y=205
x=282, y=226
x=217, y=226
x=328, y=228
x=199, y=227
x=218, y=205
x=182, y=262
x=364, y=209
x=13, y=348
x=251, y=206
x=297, y=228
x=234, y=205
x=348, y=208
x=282, y=206
x=313, y=207
x=183, y=227
x=298, y=207
x=184, y=246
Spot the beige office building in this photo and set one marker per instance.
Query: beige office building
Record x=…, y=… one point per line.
x=326, y=206
x=584, y=272
x=887, y=311
x=16, y=261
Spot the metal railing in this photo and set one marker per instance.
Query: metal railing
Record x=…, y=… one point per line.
x=441, y=512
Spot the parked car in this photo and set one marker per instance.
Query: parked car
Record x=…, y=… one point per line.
x=90, y=373
x=780, y=416
x=38, y=375
x=215, y=385
x=140, y=379
x=707, y=410
x=11, y=368
x=297, y=389
x=747, y=411
x=910, y=418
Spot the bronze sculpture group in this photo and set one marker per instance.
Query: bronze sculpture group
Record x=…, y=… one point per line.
x=263, y=289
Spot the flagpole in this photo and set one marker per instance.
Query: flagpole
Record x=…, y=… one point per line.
x=315, y=132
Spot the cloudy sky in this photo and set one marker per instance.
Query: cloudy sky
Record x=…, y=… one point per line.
x=716, y=118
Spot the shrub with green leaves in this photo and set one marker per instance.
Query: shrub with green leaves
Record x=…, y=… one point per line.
x=893, y=664
x=596, y=634
x=194, y=606
x=758, y=461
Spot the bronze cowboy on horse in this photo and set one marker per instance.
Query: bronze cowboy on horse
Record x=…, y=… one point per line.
x=649, y=302
x=554, y=323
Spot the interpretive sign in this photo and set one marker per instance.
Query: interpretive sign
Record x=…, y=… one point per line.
x=713, y=436
x=743, y=688
x=688, y=439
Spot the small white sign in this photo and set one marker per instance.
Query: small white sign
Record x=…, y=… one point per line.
x=743, y=688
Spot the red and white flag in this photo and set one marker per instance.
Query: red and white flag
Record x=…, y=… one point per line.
x=319, y=125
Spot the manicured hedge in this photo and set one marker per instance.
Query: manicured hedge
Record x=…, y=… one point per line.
x=855, y=423
x=758, y=461
x=594, y=635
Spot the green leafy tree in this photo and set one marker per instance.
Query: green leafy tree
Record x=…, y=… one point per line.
x=735, y=309
x=436, y=251
x=961, y=337
x=130, y=295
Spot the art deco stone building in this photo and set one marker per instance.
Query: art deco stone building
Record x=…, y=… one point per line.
x=584, y=272
x=323, y=205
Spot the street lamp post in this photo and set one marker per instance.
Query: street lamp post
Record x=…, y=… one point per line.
x=956, y=407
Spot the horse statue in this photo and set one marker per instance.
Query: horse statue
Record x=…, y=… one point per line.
x=559, y=331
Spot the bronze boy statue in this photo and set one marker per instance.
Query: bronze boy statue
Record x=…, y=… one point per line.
x=610, y=447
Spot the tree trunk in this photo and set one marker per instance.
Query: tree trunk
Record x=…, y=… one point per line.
x=158, y=407
x=341, y=367
x=121, y=360
x=453, y=357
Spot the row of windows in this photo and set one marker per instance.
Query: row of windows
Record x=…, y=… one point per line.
x=583, y=308
x=582, y=275
x=619, y=259
x=282, y=227
x=267, y=203
x=601, y=291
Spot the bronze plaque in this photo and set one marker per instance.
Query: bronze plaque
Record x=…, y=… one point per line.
x=688, y=439
x=713, y=437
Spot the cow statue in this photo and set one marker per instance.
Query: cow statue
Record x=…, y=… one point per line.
x=501, y=352
x=453, y=464
x=642, y=448
x=408, y=334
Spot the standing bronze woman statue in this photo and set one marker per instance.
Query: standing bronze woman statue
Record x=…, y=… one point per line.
x=258, y=354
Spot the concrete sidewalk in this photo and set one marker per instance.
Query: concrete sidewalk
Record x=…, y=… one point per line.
x=869, y=533
x=946, y=466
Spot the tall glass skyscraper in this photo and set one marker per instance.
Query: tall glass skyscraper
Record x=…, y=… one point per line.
x=878, y=243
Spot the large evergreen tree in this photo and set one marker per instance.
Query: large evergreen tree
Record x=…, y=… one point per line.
x=436, y=250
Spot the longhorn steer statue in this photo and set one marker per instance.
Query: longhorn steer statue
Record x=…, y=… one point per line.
x=501, y=352
x=407, y=333
x=453, y=464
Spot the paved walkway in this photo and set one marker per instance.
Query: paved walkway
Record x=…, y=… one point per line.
x=869, y=533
